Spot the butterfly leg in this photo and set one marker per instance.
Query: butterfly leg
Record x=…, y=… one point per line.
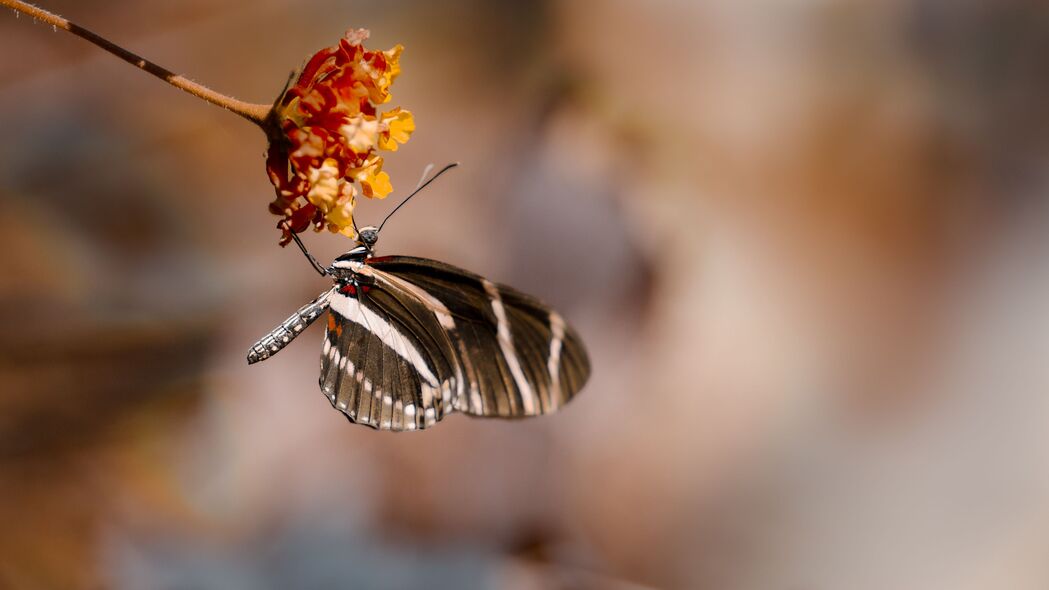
x=313, y=261
x=282, y=335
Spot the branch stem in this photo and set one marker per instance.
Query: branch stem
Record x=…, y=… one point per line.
x=256, y=113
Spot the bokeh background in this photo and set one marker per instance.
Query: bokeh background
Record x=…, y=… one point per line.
x=806, y=243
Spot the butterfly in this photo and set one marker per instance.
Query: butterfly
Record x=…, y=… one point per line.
x=411, y=340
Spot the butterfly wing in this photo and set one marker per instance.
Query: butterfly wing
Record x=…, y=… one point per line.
x=426, y=338
x=516, y=357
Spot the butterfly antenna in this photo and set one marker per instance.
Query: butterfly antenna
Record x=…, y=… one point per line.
x=416, y=191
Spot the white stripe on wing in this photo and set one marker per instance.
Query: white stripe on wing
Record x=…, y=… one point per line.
x=553, y=362
x=440, y=311
x=351, y=309
x=506, y=344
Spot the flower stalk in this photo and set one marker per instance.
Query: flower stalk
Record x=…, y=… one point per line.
x=256, y=113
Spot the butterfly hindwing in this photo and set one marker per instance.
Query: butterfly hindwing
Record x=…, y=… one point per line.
x=385, y=362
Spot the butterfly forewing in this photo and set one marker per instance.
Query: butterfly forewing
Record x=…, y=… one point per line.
x=427, y=337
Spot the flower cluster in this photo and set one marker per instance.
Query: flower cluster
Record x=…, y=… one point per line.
x=325, y=132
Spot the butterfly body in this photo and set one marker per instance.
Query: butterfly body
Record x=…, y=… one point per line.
x=410, y=340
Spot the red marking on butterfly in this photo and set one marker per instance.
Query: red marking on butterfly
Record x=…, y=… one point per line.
x=351, y=289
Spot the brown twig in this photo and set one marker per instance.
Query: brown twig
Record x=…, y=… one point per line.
x=256, y=113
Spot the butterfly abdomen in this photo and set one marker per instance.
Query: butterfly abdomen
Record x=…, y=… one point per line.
x=282, y=335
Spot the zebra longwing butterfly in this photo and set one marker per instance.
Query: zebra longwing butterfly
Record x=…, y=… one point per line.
x=411, y=340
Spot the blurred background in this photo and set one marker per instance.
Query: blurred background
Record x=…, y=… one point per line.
x=806, y=243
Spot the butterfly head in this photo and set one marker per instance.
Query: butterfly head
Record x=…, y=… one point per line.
x=368, y=236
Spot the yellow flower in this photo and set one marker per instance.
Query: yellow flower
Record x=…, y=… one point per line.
x=361, y=133
x=374, y=182
x=333, y=196
x=390, y=70
x=393, y=60
x=324, y=186
x=397, y=126
x=340, y=218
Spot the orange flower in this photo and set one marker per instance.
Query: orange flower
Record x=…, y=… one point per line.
x=325, y=133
